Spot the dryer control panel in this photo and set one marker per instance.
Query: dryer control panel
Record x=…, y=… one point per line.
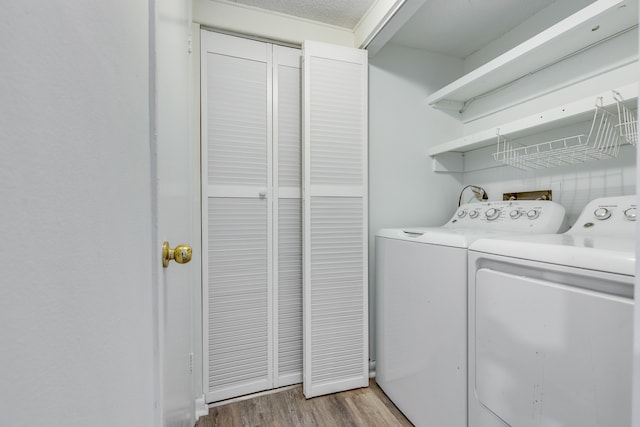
x=523, y=216
x=609, y=216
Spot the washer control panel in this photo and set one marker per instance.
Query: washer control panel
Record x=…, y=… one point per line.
x=607, y=216
x=527, y=216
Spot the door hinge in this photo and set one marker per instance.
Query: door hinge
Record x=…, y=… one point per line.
x=190, y=44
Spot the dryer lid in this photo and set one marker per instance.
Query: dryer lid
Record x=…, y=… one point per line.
x=602, y=239
x=600, y=253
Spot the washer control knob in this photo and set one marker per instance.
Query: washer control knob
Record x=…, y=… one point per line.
x=515, y=214
x=462, y=214
x=602, y=213
x=492, y=213
x=473, y=214
x=533, y=214
x=630, y=214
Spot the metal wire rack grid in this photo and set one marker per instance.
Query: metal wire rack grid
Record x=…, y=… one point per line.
x=603, y=142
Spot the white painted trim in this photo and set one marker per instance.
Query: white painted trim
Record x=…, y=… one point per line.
x=338, y=53
x=204, y=205
x=202, y=410
x=448, y=162
x=397, y=18
x=289, y=193
x=196, y=166
x=289, y=379
x=305, y=169
x=365, y=223
x=337, y=191
x=565, y=37
x=253, y=21
x=380, y=12
x=236, y=191
x=275, y=222
x=251, y=396
x=271, y=217
x=158, y=301
x=614, y=61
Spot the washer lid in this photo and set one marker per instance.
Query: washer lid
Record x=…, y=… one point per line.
x=601, y=253
x=473, y=221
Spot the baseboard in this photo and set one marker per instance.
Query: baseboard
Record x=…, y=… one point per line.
x=201, y=408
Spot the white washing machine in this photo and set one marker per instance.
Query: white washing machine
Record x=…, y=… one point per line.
x=550, y=323
x=421, y=305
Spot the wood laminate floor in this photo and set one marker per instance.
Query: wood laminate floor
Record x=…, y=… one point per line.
x=366, y=407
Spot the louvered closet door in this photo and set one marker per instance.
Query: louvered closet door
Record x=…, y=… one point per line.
x=236, y=114
x=335, y=219
x=288, y=212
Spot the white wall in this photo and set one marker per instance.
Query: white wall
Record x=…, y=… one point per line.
x=75, y=252
x=572, y=186
x=403, y=190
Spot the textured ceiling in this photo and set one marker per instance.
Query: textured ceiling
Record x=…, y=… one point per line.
x=341, y=13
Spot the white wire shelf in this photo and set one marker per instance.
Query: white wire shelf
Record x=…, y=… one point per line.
x=602, y=142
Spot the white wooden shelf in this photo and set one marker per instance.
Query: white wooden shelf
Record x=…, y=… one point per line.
x=594, y=23
x=563, y=115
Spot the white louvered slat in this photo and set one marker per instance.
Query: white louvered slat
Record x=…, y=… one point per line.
x=290, y=288
x=336, y=128
x=236, y=121
x=337, y=334
x=238, y=294
x=335, y=219
x=289, y=137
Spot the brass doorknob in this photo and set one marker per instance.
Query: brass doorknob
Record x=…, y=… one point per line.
x=180, y=254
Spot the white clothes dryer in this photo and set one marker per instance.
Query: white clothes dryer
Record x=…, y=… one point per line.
x=421, y=305
x=550, y=323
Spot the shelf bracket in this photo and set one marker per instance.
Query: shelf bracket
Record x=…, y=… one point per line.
x=448, y=105
x=448, y=162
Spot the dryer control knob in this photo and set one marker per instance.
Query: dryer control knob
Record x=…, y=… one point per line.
x=533, y=214
x=462, y=214
x=515, y=214
x=630, y=214
x=602, y=213
x=473, y=214
x=492, y=213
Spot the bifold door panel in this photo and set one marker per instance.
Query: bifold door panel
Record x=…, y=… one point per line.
x=253, y=223
x=335, y=213
x=251, y=132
